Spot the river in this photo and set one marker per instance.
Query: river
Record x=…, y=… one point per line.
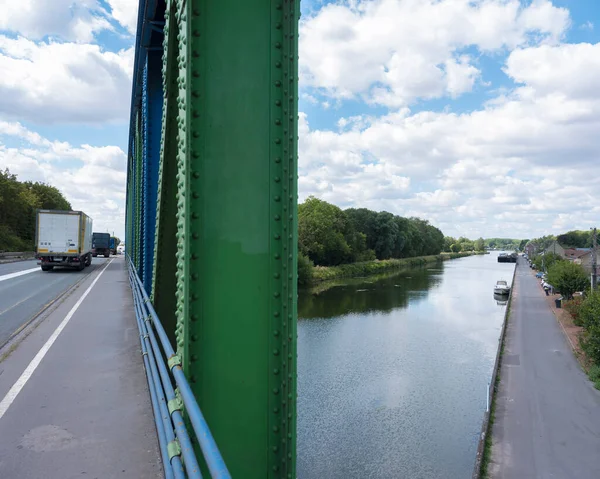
x=392, y=371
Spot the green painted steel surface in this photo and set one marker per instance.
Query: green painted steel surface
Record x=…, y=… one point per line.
x=225, y=259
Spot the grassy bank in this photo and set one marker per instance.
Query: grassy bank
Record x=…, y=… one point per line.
x=368, y=268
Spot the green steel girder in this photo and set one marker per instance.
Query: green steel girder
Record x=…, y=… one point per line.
x=226, y=244
x=165, y=252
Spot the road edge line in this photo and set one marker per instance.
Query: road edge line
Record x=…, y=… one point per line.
x=35, y=362
x=14, y=337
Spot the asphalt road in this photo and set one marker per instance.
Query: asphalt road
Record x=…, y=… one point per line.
x=84, y=411
x=23, y=297
x=547, y=422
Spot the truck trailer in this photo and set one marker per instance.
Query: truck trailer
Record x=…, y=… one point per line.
x=114, y=243
x=63, y=238
x=101, y=244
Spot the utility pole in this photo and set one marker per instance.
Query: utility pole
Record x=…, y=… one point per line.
x=594, y=259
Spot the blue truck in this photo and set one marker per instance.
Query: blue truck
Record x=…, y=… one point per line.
x=114, y=242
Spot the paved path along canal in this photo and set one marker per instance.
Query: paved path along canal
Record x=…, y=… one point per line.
x=547, y=412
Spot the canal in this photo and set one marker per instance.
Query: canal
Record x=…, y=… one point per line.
x=392, y=371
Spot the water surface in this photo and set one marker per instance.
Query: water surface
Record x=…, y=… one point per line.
x=393, y=371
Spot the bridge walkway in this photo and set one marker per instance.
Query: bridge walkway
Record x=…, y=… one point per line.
x=74, y=400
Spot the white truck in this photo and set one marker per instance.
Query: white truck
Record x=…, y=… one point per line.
x=63, y=238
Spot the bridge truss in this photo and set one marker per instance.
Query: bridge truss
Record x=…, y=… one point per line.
x=211, y=224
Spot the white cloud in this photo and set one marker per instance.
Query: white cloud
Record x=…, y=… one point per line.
x=63, y=82
x=77, y=20
x=125, y=12
x=91, y=178
x=392, y=52
x=525, y=163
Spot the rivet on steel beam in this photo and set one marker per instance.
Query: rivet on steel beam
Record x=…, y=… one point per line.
x=196, y=174
x=277, y=256
x=195, y=194
x=276, y=314
x=277, y=45
x=277, y=198
x=276, y=217
x=278, y=64
x=275, y=391
x=277, y=179
x=277, y=83
x=276, y=295
x=278, y=160
x=278, y=141
x=278, y=102
x=276, y=352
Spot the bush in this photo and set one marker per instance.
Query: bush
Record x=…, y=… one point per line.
x=589, y=315
x=305, y=269
x=573, y=307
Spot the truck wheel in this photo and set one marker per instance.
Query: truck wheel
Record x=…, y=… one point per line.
x=106, y=255
x=47, y=268
x=81, y=264
x=88, y=260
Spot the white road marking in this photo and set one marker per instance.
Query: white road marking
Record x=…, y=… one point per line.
x=35, y=362
x=18, y=273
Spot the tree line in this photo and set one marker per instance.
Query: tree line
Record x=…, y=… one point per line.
x=18, y=202
x=330, y=236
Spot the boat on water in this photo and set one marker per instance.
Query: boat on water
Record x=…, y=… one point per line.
x=502, y=287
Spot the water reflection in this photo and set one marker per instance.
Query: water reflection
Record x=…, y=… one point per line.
x=501, y=299
x=384, y=293
x=393, y=371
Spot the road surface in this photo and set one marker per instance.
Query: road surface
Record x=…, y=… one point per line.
x=83, y=410
x=25, y=290
x=547, y=423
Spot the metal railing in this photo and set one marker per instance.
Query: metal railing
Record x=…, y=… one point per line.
x=174, y=439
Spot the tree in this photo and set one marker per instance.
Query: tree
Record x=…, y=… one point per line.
x=479, y=245
x=567, y=278
x=321, y=232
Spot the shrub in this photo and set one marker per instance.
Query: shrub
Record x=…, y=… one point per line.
x=589, y=315
x=574, y=308
x=305, y=269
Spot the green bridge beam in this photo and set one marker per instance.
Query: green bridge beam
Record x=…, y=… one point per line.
x=226, y=240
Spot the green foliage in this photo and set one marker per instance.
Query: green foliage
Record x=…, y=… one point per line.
x=455, y=248
x=567, y=277
x=506, y=244
x=305, y=269
x=594, y=375
x=329, y=236
x=573, y=307
x=323, y=273
x=479, y=245
x=589, y=314
x=18, y=202
x=575, y=239
x=522, y=244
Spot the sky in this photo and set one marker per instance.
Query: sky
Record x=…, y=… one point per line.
x=481, y=116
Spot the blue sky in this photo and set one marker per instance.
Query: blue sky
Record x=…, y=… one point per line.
x=480, y=116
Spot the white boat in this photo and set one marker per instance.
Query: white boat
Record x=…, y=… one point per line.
x=501, y=287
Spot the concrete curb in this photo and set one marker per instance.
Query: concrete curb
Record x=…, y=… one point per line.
x=492, y=391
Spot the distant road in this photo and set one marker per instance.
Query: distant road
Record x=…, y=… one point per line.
x=547, y=423
x=24, y=296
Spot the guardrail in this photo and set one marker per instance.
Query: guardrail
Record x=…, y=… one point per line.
x=174, y=439
x=9, y=254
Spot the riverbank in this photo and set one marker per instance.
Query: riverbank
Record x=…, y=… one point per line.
x=368, y=268
x=484, y=447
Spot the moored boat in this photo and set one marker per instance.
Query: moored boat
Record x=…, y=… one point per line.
x=501, y=287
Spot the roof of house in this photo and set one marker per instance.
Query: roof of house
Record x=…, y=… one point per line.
x=573, y=253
